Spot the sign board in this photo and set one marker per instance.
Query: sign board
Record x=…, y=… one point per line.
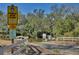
x=12, y=16
x=12, y=34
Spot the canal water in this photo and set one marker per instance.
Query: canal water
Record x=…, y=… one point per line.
x=1, y=50
x=51, y=46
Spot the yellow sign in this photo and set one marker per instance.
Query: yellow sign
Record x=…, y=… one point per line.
x=12, y=9
x=12, y=26
x=12, y=15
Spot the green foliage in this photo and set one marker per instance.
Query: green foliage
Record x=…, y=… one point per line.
x=35, y=40
x=65, y=23
x=59, y=22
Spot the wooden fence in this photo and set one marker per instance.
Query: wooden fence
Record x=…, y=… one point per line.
x=68, y=38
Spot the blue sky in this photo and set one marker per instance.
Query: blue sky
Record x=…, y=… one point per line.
x=29, y=7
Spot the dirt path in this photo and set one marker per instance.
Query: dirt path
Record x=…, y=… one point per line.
x=5, y=42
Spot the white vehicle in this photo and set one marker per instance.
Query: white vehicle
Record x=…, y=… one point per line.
x=21, y=38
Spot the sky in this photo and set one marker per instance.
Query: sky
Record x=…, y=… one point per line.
x=25, y=8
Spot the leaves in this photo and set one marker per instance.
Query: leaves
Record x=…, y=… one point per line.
x=61, y=21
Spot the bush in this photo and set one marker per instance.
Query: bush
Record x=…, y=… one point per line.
x=35, y=40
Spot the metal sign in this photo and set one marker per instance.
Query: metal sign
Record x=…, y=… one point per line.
x=12, y=15
x=12, y=34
